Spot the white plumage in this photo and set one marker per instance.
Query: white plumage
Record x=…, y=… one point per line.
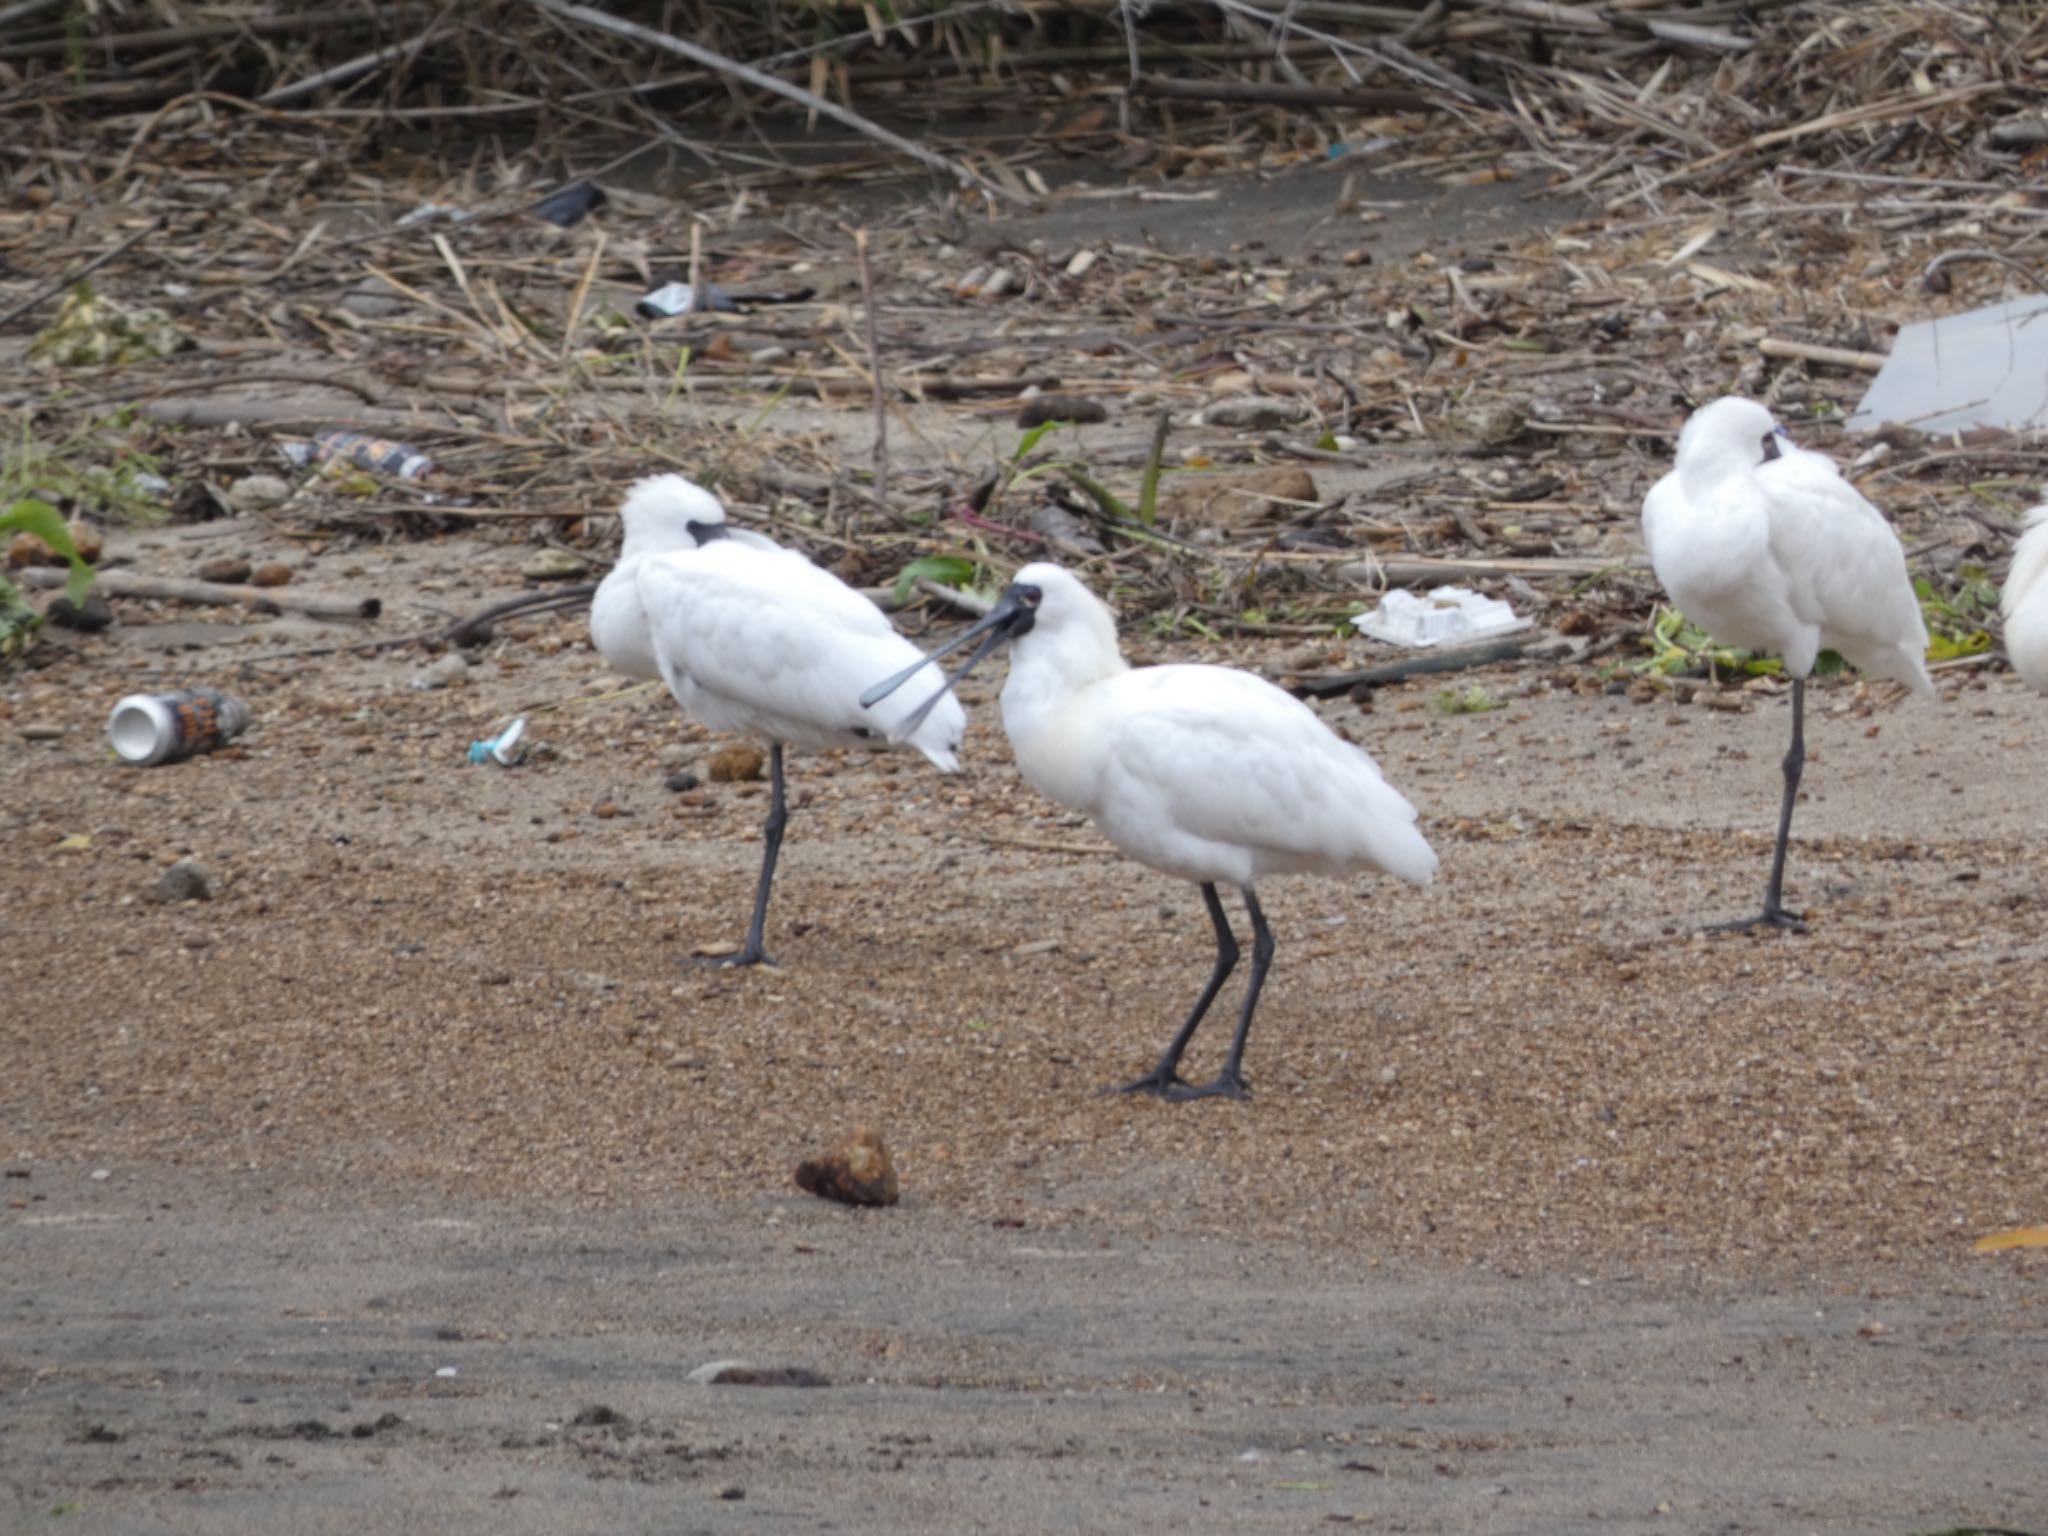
x=1768, y=548
x=753, y=638
x=2024, y=603
x=1203, y=772
x=1781, y=554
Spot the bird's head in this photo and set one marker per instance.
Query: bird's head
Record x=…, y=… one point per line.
x=1730, y=429
x=1045, y=606
x=669, y=512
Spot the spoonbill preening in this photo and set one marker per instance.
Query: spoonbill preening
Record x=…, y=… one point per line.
x=1766, y=547
x=753, y=638
x=2023, y=605
x=1203, y=772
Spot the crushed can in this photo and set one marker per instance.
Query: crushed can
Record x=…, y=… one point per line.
x=151, y=728
x=400, y=460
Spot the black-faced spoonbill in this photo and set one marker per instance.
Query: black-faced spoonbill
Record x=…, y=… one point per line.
x=1206, y=773
x=1766, y=547
x=753, y=638
x=2024, y=603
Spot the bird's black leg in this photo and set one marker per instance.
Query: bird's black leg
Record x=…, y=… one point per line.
x=1229, y=1083
x=1774, y=914
x=1166, y=1077
x=771, y=846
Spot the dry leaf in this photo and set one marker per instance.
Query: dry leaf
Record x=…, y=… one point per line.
x=2017, y=1237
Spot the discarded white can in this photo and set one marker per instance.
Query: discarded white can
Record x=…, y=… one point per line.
x=151, y=728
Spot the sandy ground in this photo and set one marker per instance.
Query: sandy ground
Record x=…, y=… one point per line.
x=1550, y=1212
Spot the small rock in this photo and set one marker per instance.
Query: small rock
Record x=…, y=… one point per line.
x=1725, y=698
x=185, y=880
x=1040, y=409
x=731, y=1495
x=711, y=1370
x=451, y=671
x=95, y=613
x=605, y=810
x=232, y=569
x=252, y=493
x=737, y=762
x=741, y=1373
x=42, y=731
x=373, y=299
x=1255, y=413
x=857, y=1171
x=1642, y=691
x=101, y=1175
x=682, y=779
x=554, y=565
x=271, y=573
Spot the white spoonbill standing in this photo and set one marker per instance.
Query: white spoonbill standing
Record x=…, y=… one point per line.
x=1767, y=548
x=1206, y=773
x=2023, y=605
x=753, y=638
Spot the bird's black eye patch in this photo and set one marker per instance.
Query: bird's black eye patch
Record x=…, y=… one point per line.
x=1030, y=597
x=1770, y=446
x=704, y=533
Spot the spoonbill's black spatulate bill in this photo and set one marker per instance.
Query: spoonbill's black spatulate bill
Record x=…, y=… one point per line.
x=1206, y=773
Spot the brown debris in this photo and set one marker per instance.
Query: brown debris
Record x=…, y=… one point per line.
x=736, y=762
x=857, y=1171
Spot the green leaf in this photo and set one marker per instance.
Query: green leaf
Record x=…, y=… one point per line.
x=947, y=570
x=29, y=515
x=1034, y=437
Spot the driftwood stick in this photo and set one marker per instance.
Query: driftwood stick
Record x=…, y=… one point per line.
x=584, y=15
x=1323, y=684
x=1807, y=352
x=51, y=290
x=362, y=64
x=214, y=594
x=881, y=390
x=1362, y=98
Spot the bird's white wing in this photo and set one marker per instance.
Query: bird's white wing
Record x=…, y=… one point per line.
x=1845, y=570
x=1225, y=758
x=765, y=641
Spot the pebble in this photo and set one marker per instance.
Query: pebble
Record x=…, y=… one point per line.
x=101, y=1175
x=857, y=1171
x=554, y=565
x=451, y=671
x=737, y=762
x=1073, y=408
x=373, y=299
x=42, y=732
x=1253, y=412
x=95, y=613
x=252, y=493
x=682, y=779
x=272, y=573
x=185, y=880
x=232, y=569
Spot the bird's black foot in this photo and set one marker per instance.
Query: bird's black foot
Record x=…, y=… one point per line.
x=1159, y=1083
x=1771, y=917
x=1224, y=1085
x=752, y=955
